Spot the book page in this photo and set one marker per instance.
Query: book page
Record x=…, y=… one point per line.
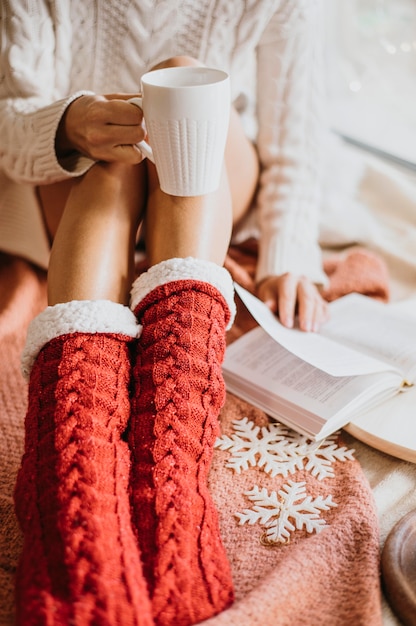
x=314, y=348
x=377, y=329
x=266, y=374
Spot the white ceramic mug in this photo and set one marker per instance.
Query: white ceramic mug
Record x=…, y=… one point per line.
x=186, y=112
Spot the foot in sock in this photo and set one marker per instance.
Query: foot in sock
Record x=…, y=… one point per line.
x=174, y=423
x=80, y=562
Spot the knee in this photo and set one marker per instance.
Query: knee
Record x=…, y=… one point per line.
x=113, y=174
x=115, y=188
x=178, y=61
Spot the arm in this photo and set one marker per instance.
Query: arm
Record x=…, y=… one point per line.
x=47, y=135
x=290, y=99
x=33, y=83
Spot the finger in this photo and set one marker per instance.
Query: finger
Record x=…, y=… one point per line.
x=308, y=297
x=112, y=135
x=117, y=112
x=131, y=155
x=322, y=313
x=122, y=135
x=123, y=113
x=123, y=153
x=267, y=293
x=287, y=299
x=104, y=142
x=122, y=96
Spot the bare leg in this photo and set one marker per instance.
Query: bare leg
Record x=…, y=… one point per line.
x=184, y=305
x=75, y=470
x=201, y=226
x=92, y=253
x=179, y=227
x=242, y=167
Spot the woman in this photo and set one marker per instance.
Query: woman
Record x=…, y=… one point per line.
x=112, y=497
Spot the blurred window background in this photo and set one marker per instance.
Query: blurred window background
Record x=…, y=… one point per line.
x=371, y=68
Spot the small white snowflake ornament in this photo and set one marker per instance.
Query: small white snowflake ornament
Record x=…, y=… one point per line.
x=318, y=457
x=279, y=450
x=275, y=511
x=265, y=447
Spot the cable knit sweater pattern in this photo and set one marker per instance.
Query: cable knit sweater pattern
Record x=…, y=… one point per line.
x=53, y=51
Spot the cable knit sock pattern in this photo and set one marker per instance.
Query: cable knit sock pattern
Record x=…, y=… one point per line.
x=174, y=425
x=80, y=562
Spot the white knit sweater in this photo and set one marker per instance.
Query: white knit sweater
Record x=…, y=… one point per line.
x=53, y=50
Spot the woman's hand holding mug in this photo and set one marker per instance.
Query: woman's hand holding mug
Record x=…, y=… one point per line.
x=103, y=128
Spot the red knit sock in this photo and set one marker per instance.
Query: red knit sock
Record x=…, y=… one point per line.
x=174, y=424
x=80, y=562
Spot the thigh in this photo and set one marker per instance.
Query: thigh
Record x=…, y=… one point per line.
x=53, y=199
x=92, y=252
x=129, y=190
x=201, y=226
x=242, y=167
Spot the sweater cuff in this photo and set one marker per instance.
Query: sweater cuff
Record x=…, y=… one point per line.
x=278, y=256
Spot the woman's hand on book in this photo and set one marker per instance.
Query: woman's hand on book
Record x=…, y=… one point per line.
x=289, y=295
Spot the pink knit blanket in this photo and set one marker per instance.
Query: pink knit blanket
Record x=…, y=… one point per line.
x=298, y=522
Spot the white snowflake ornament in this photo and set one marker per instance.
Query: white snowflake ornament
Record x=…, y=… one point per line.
x=275, y=511
x=266, y=447
x=279, y=450
x=318, y=457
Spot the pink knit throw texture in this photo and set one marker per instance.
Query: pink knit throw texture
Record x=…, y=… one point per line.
x=325, y=579
x=179, y=391
x=80, y=562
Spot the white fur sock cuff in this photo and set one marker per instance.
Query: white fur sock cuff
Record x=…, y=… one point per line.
x=77, y=316
x=185, y=269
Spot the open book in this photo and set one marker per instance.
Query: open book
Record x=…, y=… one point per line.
x=317, y=382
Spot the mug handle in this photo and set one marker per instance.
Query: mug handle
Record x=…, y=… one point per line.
x=142, y=145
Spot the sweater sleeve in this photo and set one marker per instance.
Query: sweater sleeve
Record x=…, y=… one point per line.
x=33, y=83
x=290, y=100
